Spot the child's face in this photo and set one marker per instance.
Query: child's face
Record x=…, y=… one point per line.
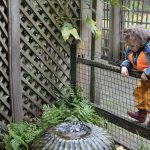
x=133, y=45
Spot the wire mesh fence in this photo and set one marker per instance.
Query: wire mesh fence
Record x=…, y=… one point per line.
x=113, y=94
x=98, y=72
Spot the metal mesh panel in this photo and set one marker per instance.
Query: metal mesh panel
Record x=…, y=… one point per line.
x=128, y=139
x=5, y=108
x=105, y=31
x=114, y=94
x=135, y=12
x=44, y=54
x=138, y=13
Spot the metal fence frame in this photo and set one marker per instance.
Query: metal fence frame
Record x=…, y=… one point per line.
x=117, y=120
x=110, y=48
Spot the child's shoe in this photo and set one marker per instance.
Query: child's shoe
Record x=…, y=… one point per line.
x=139, y=115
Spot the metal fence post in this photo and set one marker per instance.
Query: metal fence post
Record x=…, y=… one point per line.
x=114, y=45
x=92, y=76
x=14, y=60
x=73, y=62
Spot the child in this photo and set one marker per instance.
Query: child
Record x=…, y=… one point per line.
x=138, y=57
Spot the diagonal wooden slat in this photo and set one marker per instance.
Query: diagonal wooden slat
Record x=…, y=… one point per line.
x=32, y=100
x=3, y=72
x=60, y=3
x=3, y=100
x=69, y=16
x=41, y=18
x=3, y=126
x=5, y=115
x=73, y=10
x=44, y=55
x=77, y=3
x=4, y=30
x=3, y=58
x=46, y=38
x=41, y=71
x=3, y=14
x=38, y=81
x=5, y=109
x=5, y=3
x=46, y=50
x=4, y=44
x=39, y=56
x=30, y=110
x=70, y=19
x=35, y=90
x=52, y=19
x=4, y=88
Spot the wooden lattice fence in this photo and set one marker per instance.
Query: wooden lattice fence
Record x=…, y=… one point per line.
x=34, y=59
x=5, y=108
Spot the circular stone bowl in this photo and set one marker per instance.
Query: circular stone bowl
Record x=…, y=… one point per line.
x=73, y=136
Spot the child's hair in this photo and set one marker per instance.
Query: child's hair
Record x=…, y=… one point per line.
x=137, y=33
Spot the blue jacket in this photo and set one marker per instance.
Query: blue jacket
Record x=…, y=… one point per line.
x=146, y=50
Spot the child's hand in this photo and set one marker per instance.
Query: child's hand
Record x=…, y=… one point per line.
x=124, y=72
x=143, y=76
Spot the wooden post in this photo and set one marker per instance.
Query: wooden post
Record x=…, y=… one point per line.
x=86, y=37
x=14, y=60
x=99, y=24
x=114, y=33
x=85, y=32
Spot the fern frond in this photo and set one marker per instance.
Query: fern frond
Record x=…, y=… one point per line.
x=15, y=144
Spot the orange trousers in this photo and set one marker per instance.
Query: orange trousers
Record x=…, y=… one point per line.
x=142, y=95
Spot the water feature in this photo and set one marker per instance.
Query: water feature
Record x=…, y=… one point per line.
x=73, y=136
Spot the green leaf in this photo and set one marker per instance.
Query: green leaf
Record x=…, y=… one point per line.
x=15, y=144
x=75, y=33
x=19, y=135
x=98, y=34
x=91, y=24
x=18, y=138
x=67, y=30
x=114, y=2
